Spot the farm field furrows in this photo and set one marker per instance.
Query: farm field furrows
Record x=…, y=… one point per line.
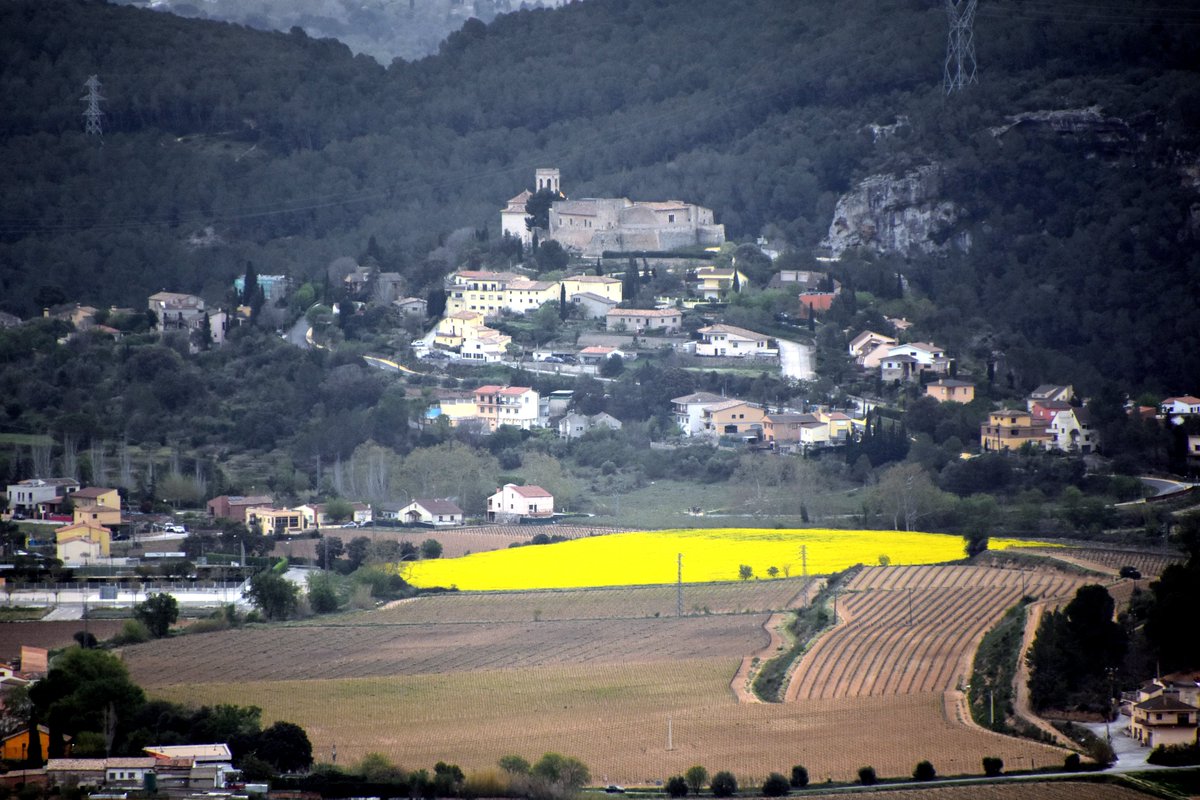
x=1022, y=790
x=1150, y=565
x=344, y=651
x=615, y=717
x=906, y=630
x=50, y=635
x=606, y=603
x=709, y=554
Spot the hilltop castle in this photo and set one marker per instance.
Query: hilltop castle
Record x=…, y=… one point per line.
x=589, y=226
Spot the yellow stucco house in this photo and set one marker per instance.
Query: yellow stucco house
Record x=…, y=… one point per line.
x=951, y=390
x=713, y=283
x=601, y=285
x=82, y=543
x=733, y=418
x=1008, y=429
x=96, y=505
x=15, y=746
x=454, y=328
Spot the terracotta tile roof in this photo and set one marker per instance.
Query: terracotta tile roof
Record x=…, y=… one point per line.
x=529, y=491
x=92, y=492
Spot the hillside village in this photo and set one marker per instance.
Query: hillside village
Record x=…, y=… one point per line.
x=612, y=290
x=568, y=324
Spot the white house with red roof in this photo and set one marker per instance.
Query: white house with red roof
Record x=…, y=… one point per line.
x=516, y=503
x=1183, y=406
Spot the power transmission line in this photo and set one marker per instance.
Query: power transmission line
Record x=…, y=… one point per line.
x=92, y=114
x=960, y=45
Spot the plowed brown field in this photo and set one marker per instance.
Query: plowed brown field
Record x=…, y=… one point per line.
x=591, y=673
x=50, y=635
x=906, y=630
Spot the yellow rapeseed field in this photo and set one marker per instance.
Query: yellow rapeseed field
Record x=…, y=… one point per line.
x=709, y=554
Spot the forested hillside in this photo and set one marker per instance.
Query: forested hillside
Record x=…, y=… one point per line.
x=1084, y=262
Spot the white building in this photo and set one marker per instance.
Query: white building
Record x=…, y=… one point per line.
x=25, y=496
x=1072, y=431
x=516, y=503
x=731, y=341
x=439, y=513
x=689, y=411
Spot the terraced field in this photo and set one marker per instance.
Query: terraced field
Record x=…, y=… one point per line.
x=911, y=630
x=1024, y=790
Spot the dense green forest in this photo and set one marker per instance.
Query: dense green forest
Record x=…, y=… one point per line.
x=1083, y=267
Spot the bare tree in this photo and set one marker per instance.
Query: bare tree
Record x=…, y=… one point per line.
x=98, y=456
x=39, y=458
x=126, y=466
x=70, y=457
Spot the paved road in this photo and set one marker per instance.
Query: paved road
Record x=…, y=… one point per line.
x=297, y=334
x=1163, y=486
x=795, y=360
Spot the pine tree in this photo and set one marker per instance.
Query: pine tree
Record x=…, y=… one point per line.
x=562, y=301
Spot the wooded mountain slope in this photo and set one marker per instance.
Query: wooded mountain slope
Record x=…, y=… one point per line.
x=294, y=151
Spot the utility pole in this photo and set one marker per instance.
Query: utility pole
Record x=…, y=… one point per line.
x=960, y=45
x=92, y=114
x=679, y=587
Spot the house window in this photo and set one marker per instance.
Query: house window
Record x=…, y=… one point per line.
x=670, y=217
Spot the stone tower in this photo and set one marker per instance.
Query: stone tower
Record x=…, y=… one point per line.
x=545, y=178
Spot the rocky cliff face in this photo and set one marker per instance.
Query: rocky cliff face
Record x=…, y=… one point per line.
x=897, y=214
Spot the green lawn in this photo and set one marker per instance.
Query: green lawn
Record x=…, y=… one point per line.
x=666, y=504
x=26, y=439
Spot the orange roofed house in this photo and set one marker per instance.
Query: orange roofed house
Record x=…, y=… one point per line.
x=516, y=503
x=97, y=506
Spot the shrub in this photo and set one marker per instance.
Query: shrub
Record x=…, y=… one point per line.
x=775, y=785
x=723, y=784
x=799, y=777
x=1179, y=755
x=924, y=771
x=992, y=766
x=696, y=778
x=1071, y=762
x=488, y=783
x=677, y=786
x=867, y=776
x=132, y=632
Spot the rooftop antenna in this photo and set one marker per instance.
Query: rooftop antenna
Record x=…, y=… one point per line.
x=960, y=46
x=92, y=113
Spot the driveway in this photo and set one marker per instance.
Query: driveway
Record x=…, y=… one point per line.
x=795, y=360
